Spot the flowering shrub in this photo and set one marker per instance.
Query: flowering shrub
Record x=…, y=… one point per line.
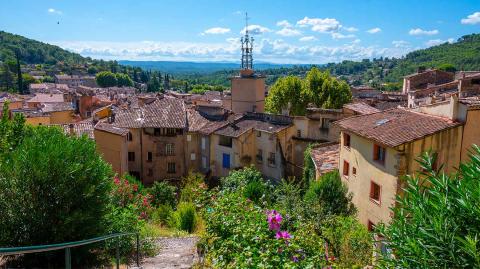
x=125, y=194
x=240, y=235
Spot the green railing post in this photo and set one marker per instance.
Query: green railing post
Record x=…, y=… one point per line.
x=68, y=259
x=138, y=249
x=118, y=253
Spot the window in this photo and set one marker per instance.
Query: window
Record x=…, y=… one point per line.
x=192, y=156
x=354, y=171
x=170, y=149
x=203, y=143
x=371, y=226
x=89, y=114
x=204, y=162
x=171, y=168
x=131, y=156
x=379, y=154
x=129, y=136
x=346, y=140
x=189, y=138
x=171, y=132
x=325, y=124
x=225, y=141
x=346, y=168
x=156, y=132
x=149, y=172
x=260, y=156
x=375, y=192
x=226, y=160
x=271, y=159
x=149, y=156
x=259, y=134
x=299, y=133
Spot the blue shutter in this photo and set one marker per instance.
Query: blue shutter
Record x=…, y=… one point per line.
x=226, y=160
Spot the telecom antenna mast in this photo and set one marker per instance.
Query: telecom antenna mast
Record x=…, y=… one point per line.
x=247, y=47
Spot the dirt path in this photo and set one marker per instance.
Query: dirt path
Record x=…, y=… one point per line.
x=175, y=252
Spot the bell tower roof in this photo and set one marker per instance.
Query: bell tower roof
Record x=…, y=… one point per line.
x=247, y=49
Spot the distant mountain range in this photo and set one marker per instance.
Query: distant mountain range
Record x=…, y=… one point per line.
x=173, y=67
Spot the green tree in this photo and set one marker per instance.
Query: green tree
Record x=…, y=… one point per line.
x=19, y=73
x=53, y=189
x=287, y=93
x=447, y=67
x=436, y=222
x=7, y=79
x=123, y=80
x=27, y=80
x=162, y=194
x=331, y=195
x=106, y=79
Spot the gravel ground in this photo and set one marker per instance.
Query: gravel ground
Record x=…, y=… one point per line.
x=175, y=252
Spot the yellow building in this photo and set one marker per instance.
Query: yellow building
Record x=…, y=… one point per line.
x=254, y=139
x=378, y=149
x=156, y=138
x=112, y=145
x=60, y=113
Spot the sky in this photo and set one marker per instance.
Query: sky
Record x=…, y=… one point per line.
x=300, y=31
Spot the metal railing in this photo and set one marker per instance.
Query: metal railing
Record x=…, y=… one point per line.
x=67, y=246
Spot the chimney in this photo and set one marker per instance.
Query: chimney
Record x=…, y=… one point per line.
x=454, y=107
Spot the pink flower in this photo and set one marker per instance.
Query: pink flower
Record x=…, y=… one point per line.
x=116, y=181
x=135, y=187
x=282, y=235
x=274, y=219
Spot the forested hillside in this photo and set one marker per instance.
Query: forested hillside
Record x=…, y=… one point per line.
x=464, y=54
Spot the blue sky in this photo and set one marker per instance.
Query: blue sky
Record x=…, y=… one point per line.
x=298, y=31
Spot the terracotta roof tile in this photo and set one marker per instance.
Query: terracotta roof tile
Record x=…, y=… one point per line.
x=46, y=98
x=256, y=121
x=361, y=108
x=102, y=126
x=166, y=112
x=395, y=126
x=326, y=157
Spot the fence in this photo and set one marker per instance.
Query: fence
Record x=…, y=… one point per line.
x=67, y=246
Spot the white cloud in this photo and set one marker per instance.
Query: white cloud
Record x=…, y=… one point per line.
x=54, y=11
x=276, y=51
x=435, y=42
x=307, y=38
x=471, y=19
x=256, y=29
x=350, y=29
x=342, y=36
x=356, y=41
x=287, y=31
x=374, y=30
x=326, y=25
x=400, y=44
x=217, y=31
x=284, y=23
x=418, y=31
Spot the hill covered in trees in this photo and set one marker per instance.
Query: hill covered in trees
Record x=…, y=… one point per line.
x=464, y=54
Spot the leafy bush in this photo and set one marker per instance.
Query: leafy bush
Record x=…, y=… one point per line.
x=331, y=194
x=162, y=194
x=186, y=217
x=240, y=178
x=195, y=191
x=254, y=190
x=349, y=241
x=162, y=214
x=437, y=221
x=53, y=188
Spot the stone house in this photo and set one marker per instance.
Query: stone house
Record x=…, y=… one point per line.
x=378, y=149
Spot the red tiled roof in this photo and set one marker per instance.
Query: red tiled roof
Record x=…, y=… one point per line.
x=79, y=129
x=166, y=112
x=361, y=108
x=206, y=126
x=395, y=126
x=242, y=125
x=326, y=157
x=105, y=127
x=46, y=98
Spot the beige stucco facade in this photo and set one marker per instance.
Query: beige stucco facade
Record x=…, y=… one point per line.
x=113, y=148
x=399, y=161
x=144, y=143
x=248, y=94
x=61, y=117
